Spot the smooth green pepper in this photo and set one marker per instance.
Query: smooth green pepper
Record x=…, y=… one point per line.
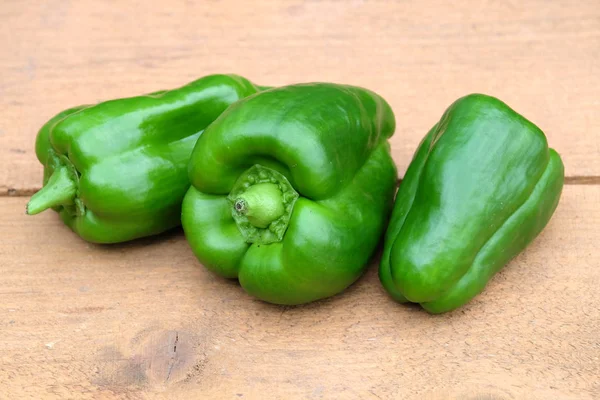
x=117, y=170
x=481, y=186
x=291, y=190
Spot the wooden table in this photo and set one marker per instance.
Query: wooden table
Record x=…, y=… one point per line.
x=145, y=320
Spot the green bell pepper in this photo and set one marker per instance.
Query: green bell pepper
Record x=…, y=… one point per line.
x=291, y=190
x=117, y=170
x=481, y=186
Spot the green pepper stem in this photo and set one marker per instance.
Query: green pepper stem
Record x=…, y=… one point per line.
x=60, y=189
x=261, y=204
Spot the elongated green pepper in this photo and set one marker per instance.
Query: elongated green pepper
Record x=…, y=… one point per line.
x=481, y=186
x=117, y=170
x=291, y=189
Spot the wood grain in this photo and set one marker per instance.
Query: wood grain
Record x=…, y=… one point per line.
x=541, y=57
x=145, y=320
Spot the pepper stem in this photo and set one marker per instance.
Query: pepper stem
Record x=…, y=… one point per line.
x=262, y=201
x=261, y=204
x=60, y=189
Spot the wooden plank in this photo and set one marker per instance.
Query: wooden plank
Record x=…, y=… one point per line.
x=542, y=57
x=145, y=320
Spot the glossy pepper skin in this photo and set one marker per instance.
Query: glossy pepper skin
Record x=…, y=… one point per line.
x=291, y=190
x=117, y=170
x=481, y=186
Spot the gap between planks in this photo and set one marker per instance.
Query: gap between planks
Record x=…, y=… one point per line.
x=569, y=180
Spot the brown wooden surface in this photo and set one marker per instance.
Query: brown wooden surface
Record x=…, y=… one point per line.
x=542, y=57
x=145, y=320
